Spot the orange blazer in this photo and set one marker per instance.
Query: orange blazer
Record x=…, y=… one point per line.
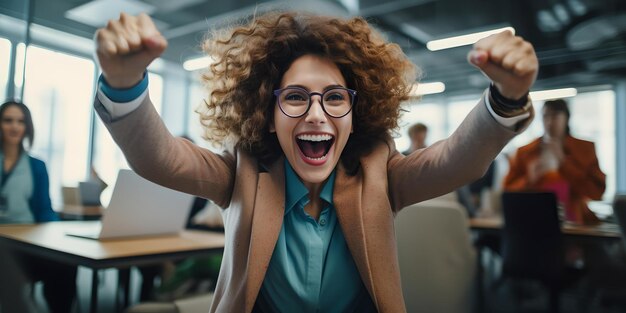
x=579, y=168
x=253, y=196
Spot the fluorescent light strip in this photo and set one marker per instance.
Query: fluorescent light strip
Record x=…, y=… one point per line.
x=197, y=63
x=553, y=94
x=463, y=40
x=426, y=89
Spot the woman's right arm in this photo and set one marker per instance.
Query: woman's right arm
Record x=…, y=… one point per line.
x=176, y=163
x=124, y=49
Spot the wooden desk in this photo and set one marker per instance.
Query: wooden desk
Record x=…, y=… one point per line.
x=602, y=231
x=49, y=240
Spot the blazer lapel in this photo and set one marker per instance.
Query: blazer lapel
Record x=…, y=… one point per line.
x=267, y=220
x=366, y=219
x=347, y=197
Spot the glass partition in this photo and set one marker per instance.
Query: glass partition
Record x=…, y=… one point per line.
x=60, y=99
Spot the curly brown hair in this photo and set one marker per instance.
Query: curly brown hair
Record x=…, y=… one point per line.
x=250, y=60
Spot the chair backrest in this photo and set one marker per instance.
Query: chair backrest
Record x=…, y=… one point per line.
x=532, y=243
x=619, y=210
x=437, y=259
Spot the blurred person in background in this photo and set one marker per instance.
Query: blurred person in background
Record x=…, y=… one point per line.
x=561, y=163
x=417, y=134
x=25, y=199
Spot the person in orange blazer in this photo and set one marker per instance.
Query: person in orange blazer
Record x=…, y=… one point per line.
x=307, y=102
x=558, y=158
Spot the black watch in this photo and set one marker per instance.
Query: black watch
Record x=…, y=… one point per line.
x=506, y=102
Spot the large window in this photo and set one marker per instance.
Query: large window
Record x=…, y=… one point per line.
x=433, y=115
x=107, y=156
x=195, y=130
x=58, y=90
x=458, y=110
x=155, y=88
x=5, y=58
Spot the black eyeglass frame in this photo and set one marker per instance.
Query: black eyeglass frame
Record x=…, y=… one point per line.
x=351, y=92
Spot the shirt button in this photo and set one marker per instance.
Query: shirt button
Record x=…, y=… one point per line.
x=323, y=222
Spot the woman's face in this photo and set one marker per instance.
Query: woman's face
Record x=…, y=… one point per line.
x=554, y=123
x=12, y=125
x=313, y=142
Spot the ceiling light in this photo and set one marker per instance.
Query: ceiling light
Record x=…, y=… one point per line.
x=577, y=7
x=421, y=89
x=561, y=13
x=463, y=40
x=553, y=94
x=198, y=63
x=547, y=22
x=97, y=13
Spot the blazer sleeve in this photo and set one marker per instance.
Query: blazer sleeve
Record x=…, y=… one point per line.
x=448, y=164
x=40, y=204
x=583, y=172
x=175, y=163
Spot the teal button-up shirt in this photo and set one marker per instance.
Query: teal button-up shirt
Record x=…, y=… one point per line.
x=311, y=269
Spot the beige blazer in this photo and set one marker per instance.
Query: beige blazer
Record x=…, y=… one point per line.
x=254, y=199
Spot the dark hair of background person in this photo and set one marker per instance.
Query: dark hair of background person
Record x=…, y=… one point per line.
x=28, y=121
x=250, y=61
x=558, y=105
x=416, y=128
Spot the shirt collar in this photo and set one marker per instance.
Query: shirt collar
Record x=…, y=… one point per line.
x=295, y=189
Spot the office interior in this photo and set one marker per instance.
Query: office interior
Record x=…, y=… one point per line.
x=47, y=62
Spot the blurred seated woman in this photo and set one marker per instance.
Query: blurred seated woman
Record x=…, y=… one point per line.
x=560, y=163
x=25, y=199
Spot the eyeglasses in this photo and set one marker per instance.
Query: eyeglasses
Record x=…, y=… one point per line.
x=296, y=102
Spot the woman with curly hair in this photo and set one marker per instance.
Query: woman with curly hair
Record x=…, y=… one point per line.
x=310, y=179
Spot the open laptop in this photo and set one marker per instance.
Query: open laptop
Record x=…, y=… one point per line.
x=139, y=208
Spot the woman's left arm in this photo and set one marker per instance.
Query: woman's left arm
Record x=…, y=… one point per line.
x=40, y=204
x=511, y=64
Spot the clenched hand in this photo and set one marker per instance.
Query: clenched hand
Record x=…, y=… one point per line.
x=125, y=48
x=508, y=61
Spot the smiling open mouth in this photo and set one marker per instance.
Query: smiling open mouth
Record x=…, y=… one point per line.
x=315, y=146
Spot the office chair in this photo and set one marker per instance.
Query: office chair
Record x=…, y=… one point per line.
x=436, y=257
x=532, y=243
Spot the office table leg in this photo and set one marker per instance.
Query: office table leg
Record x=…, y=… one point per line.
x=93, y=306
x=123, y=283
